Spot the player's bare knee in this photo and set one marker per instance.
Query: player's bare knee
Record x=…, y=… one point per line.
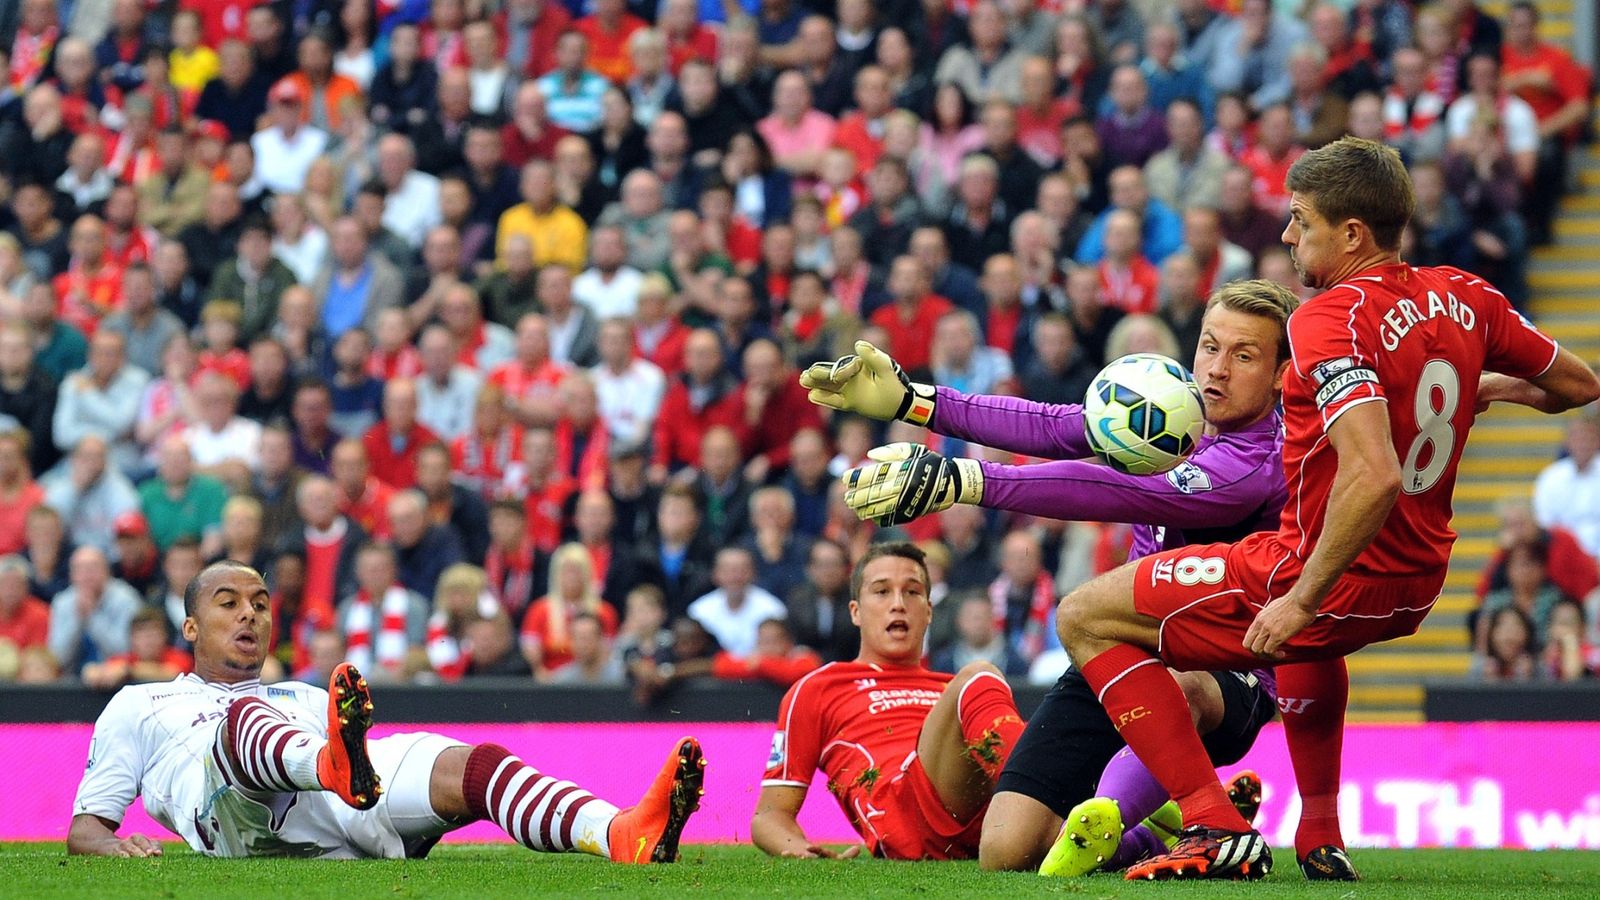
x=975, y=668
x=1075, y=619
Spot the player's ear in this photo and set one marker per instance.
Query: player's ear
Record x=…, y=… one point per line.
x=1355, y=231
x=855, y=613
x=191, y=630
x=1277, y=377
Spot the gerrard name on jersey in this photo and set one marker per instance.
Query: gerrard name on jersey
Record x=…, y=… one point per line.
x=1400, y=318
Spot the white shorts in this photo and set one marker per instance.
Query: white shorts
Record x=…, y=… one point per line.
x=226, y=822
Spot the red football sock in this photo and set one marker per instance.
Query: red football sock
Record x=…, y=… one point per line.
x=1149, y=711
x=1313, y=696
x=990, y=723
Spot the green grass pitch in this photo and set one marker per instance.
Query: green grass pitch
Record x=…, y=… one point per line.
x=40, y=871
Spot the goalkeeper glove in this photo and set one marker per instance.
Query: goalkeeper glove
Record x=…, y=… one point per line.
x=908, y=481
x=868, y=382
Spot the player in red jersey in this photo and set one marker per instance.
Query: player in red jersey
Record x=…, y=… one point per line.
x=1389, y=366
x=911, y=755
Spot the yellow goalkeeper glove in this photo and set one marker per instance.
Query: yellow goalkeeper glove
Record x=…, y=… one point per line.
x=868, y=382
x=907, y=481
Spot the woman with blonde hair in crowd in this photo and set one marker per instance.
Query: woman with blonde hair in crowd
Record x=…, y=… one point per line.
x=1141, y=334
x=461, y=597
x=546, y=629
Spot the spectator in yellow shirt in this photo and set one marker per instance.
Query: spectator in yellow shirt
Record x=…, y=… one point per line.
x=556, y=233
x=191, y=64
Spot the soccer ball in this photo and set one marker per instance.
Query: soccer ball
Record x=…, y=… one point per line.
x=1143, y=414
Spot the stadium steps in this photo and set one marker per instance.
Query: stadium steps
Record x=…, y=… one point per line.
x=1509, y=446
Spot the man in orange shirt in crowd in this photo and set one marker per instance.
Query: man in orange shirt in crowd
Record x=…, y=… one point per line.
x=91, y=288
x=608, y=30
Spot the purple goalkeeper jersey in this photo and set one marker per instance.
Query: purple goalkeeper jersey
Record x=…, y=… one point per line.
x=1232, y=485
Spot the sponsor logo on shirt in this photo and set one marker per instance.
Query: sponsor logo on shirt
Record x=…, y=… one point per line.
x=280, y=692
x=1189, y=478
x=866, y=684
x=775, y=758
x=1329, y=369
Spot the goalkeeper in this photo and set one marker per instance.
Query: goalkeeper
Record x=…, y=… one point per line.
x=1230, y=486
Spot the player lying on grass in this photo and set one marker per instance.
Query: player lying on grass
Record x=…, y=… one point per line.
x=1232, y=485
x=238, y=768
x=911, y=755
x=1390, y=365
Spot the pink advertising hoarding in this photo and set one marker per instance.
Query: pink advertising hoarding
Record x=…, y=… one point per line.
x=1442, y=784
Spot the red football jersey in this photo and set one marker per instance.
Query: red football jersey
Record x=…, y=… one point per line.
x=858, y=723
x=1417, y=338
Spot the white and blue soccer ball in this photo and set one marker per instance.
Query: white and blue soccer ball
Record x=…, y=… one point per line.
x=1143, y=414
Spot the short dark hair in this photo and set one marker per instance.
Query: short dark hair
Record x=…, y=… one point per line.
x=1354, y=178
x=901, y=549
x=191, y=593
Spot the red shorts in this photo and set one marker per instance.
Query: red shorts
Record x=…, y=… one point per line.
x=1206, y=596
x=914, y=825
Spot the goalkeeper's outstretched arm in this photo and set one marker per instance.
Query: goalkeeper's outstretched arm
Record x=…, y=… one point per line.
x=1012, y=424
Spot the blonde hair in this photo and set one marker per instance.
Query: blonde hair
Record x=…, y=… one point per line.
x=464, y=578
x=589, y=602
x=1259, y=297
x=242, y=502
x=1118, y=341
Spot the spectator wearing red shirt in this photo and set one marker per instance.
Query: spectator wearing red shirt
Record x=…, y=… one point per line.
x=657, y=333
x=219, y=327
x=774, y=409
x=531, y=380
x=861, y=132
x=483, y=456
x=911, y=315
x=19, y=493
x=776, y=659
x=91, y=287
x=583, y=443
x=512, y=563
x=1128, y=281
x=546, y=628
x=544, y=485
x=1270, y=157
x=530, y=134
x=1548, y=79
x=392, y=444
x=222, y=20
x=362, y=498
x=702, y=396
x=686, y=37
x=531, y=28
x=24, y=619
x=1041, y=115
x=608, y=30
x=128, y=239
x=150, y=656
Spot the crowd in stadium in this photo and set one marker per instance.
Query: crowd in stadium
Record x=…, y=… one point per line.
x=474, y=324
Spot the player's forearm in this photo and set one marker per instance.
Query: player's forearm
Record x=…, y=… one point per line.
x=1051, y=431
x=778, y=834
x=1360, y=501
x=1085, y=491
